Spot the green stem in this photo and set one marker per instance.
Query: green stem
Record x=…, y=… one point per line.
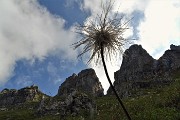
x=107, y=75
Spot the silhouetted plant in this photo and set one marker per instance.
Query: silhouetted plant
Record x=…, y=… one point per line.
x=104, y=38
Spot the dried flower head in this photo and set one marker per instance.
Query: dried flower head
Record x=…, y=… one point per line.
x=103, y=32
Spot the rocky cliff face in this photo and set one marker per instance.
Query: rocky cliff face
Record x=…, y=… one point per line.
x=170, y=59
x=140, y=70
x=75, y=91
x=86, y=81
x=15, y=97
x=74, y=104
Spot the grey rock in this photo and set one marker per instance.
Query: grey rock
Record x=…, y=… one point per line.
x=73, y=104
x=170, y=59
x=139, y=70
x=15, y=97
x=86, y=81
x=174, y=47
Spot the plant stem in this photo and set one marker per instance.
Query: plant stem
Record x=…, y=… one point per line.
x=107, y=75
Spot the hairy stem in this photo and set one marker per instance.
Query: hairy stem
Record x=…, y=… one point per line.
x=107, y=75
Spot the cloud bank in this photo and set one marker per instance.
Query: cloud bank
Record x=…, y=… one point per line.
x=28, y=31
x=160, y=27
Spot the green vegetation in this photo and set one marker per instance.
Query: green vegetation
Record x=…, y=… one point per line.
x=158, y=104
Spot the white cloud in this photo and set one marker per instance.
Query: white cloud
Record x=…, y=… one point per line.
x=160, y=27
x=93, y=5
x=111, y=67
x=129, y=6
x=122, y=6
x=28, y=31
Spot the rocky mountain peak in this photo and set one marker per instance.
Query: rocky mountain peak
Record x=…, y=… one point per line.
x=85, y=81
x=137, y=58
x=140, y=70
x=14, y=97
x=175, y=48
x=170, y=59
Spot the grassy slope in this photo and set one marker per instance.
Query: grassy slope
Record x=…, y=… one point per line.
x=158, y=104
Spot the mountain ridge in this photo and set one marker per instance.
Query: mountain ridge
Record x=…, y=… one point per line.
x=140, y=70
x=81, y=95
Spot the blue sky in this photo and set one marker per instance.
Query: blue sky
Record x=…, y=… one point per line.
x=50, y=72
x=36, y=37
x=71, y=12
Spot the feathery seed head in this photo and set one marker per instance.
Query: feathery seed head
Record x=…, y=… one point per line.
x=102, y=33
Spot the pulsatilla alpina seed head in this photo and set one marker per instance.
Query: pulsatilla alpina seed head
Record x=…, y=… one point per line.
x=102, y=33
